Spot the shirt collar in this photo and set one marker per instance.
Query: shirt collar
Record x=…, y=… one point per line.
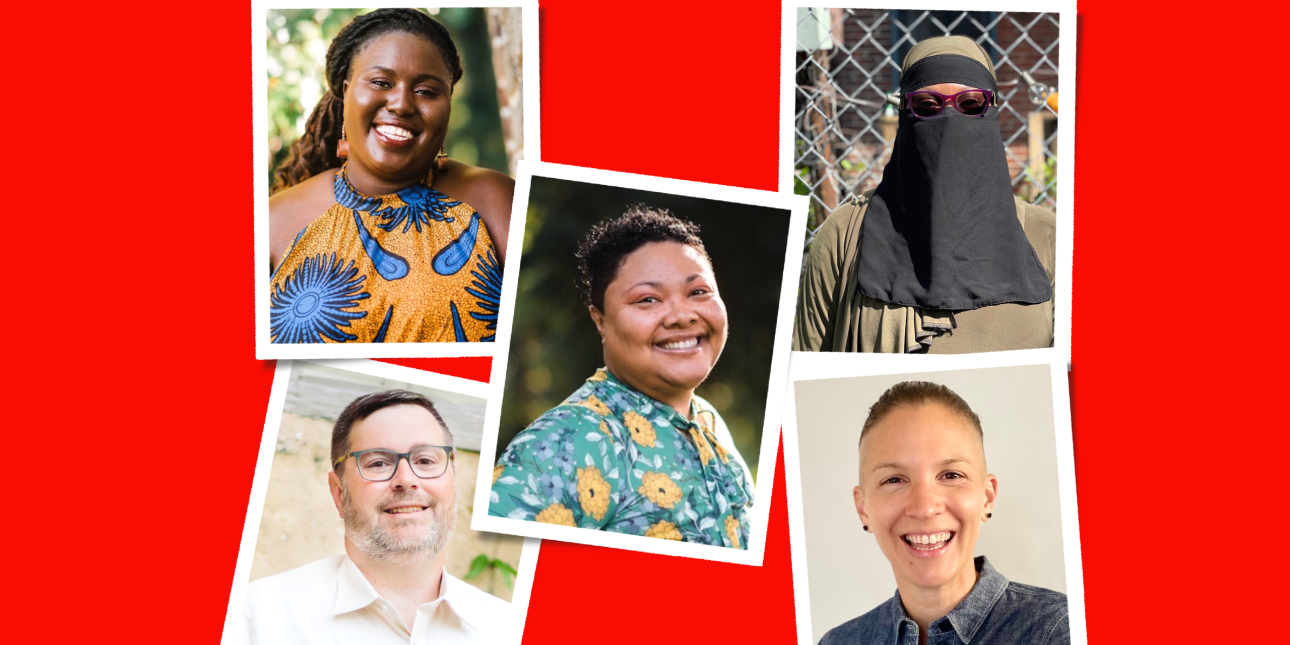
x=638, y=400
x=453, y=592
x=355, y=592
x=967, y=616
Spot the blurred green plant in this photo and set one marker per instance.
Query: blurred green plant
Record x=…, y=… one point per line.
x=1046, y=176
x=494, y=567
x=297, y=50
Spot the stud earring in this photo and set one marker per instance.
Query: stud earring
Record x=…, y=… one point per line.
x=989, y=515
x=866, y=528
x=342, y=146
x=441, y=160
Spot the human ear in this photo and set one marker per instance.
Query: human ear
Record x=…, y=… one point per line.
x=333, y=483
x=991, y=492
x=599, y=318
x=858, y=495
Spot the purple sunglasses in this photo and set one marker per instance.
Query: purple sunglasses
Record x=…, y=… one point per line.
x=925, y=104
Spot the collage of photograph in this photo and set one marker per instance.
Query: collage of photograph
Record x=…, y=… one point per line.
x=404, y=210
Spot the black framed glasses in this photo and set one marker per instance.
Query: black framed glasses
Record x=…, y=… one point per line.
x=380, y=464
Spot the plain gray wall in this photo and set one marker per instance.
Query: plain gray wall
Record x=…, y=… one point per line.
x=847, y=571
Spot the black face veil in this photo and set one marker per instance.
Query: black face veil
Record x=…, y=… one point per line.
x=941, y=231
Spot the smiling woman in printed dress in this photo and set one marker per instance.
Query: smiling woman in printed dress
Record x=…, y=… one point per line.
x=634, y=450
x=372, y=236
x=924, y=494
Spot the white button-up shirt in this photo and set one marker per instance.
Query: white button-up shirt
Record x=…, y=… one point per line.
x=330, y=601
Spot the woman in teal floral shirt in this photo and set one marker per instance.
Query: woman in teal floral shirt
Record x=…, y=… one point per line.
x=634, y=450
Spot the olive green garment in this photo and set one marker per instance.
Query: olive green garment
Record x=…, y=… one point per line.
x=833, y=316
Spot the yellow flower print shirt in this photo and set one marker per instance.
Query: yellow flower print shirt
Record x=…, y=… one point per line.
x=614, y=459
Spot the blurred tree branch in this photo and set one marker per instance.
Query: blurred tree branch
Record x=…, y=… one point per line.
x=505, y=30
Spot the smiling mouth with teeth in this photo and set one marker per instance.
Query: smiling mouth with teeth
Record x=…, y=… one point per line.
x=394, y=132
x=689, y=343
x=928, y=541
x=406, y=509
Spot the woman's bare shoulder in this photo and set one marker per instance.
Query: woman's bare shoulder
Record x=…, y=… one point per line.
x=479, y=187
x=292, y=209
x=489, y=192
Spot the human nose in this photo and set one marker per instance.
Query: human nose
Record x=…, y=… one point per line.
x=925, y=500
x=681, y=313
x=399, y=100
x=403, y=475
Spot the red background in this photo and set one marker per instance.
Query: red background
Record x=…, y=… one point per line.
x=137, y=404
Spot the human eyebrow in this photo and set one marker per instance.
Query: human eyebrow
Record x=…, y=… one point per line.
x=415, y=447
x=954, y=460
x=427, y=76
x=416, y=79
x=425, y=445
x=891, y=465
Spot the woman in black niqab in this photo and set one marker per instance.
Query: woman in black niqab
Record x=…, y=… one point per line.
x=942, y=230
x=941, y=257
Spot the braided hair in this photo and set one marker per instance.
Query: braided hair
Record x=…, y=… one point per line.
x=315, y=150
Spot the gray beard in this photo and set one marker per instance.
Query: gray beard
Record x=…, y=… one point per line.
x=378, y=544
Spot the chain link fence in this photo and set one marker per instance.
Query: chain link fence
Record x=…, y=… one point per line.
x=848, y=68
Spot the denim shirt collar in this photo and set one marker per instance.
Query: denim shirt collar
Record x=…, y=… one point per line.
x=966, y=618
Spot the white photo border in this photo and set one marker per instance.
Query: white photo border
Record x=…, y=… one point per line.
x=264, y=348
x=264, y=463
x=813, y=366
x=1065, y=125
x=796, y=205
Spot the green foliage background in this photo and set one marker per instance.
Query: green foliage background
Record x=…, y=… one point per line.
x=297, y=47
x=555, y=346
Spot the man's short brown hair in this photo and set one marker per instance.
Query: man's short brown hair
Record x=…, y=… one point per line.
x=364, y=406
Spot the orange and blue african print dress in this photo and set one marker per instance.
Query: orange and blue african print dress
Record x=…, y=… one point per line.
x=415, y=266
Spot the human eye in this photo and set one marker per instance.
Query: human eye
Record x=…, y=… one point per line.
x=647, y=300
x=953, y=475
x=894, y=479
x=427, y=92
x=381, y=83
x=926, y=101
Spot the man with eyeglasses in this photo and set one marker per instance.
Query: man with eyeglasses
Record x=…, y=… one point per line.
x=393, y=481
x=941, y=257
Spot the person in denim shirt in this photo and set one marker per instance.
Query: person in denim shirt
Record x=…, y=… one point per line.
x=924, y=494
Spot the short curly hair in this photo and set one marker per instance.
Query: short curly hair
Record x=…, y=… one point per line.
x=602, y=252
